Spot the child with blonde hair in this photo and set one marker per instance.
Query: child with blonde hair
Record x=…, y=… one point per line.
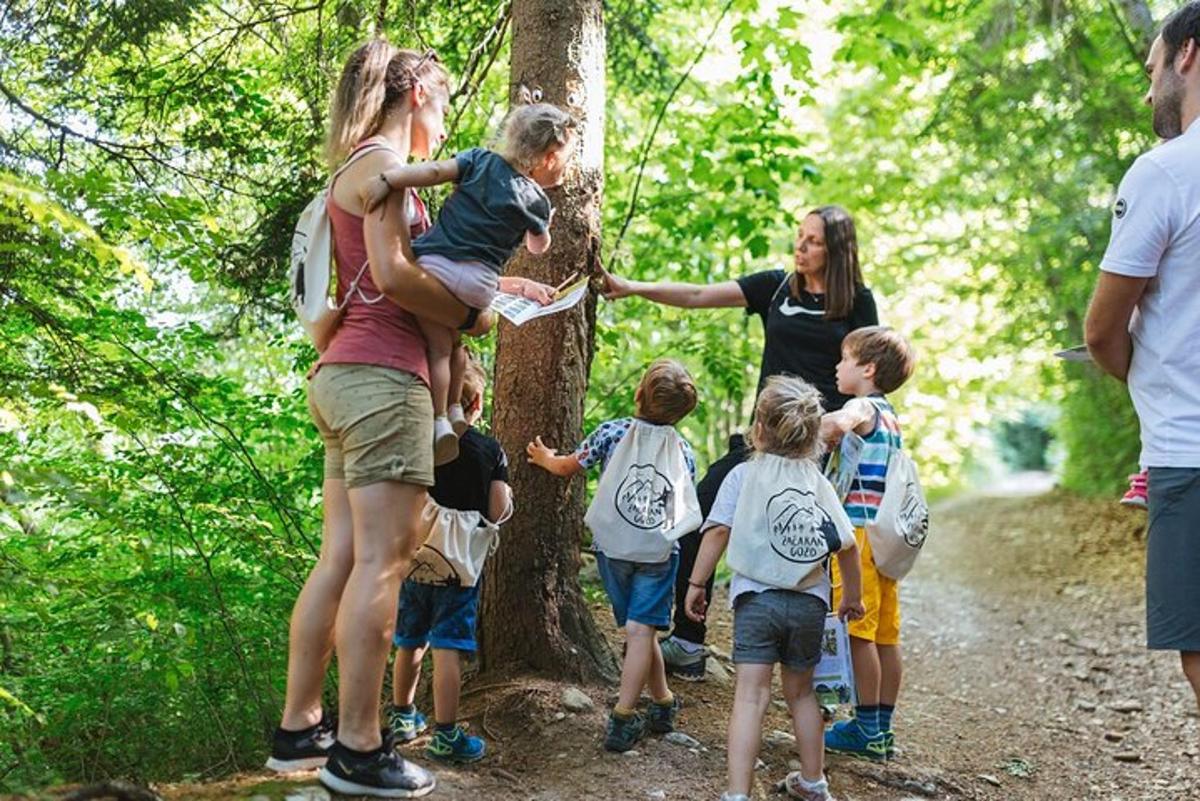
x=499, y=202
x=782, y=522
x=644, y=502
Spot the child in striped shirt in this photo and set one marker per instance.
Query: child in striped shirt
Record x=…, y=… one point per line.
x=875, y=360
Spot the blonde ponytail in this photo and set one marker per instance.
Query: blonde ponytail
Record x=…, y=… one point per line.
x=787, y=418
x=376, y=77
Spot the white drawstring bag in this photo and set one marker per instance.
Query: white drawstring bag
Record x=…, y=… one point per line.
x=902, y=521
x=457, y=544
x=645, y=499
x=787, y=522
x=313, y=269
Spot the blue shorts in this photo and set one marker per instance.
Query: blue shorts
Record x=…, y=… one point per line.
x=638, y=591
x=443, y=617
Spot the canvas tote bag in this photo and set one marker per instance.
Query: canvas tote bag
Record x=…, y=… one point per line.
x=787, y=522
x=645, y=499
x=457, y=544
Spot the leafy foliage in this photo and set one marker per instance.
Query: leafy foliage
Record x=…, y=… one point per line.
x=159, y=476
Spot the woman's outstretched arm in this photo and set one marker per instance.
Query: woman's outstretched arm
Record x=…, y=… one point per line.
x=687, y=296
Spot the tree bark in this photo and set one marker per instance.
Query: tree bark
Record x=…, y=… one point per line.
x=534, y=614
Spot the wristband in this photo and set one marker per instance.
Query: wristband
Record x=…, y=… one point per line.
x=472, y=317
x=697, y=586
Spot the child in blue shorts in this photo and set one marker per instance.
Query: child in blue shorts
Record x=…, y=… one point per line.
x=640, y=592
x=443, y=615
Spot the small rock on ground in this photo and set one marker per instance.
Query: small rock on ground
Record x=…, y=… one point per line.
x=679, y=738
x=576, y=700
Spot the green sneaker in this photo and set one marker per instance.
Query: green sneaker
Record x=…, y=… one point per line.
x=624, y=733
x=661, y=718
x=407, y=726
x=455, y=746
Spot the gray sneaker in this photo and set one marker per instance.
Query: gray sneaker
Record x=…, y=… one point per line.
x=684, y=665
x=797, y=787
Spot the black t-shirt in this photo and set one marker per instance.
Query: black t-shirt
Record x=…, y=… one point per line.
x=465, y=483
x=799, y=340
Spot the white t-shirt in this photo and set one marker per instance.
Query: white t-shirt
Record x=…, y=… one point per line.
x=1156, y=235
x=721, y=514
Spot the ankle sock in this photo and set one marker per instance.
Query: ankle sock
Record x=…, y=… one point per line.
x=885, y=716
x=406, y=709
x=622, y=713
x=868, y=719
x=813, y=785
x=446, y=728
x=668, y=701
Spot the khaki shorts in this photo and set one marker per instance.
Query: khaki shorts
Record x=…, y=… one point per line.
x=377, y=424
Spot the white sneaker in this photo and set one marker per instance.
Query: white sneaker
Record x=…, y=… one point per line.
x=458, y=420
x=798, y=787
x=445, y=443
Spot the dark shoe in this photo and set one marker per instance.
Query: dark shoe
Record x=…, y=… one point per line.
x=382, y=774
x=662, y=716
x=301, y=750
x=624, y=733
x=681, y=664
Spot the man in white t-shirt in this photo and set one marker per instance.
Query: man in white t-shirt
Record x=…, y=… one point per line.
x=1143, y=327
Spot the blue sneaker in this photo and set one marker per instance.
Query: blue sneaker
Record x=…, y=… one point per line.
x=407, y=726
x=455, y=746
x=847, y=737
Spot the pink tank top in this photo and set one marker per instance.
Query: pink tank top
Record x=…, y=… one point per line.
x=374, y=330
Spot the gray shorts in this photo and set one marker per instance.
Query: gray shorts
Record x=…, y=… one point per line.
x=472, y=282
x=1173, y=560
x=778, y=626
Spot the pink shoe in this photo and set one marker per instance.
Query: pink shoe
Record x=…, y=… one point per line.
x=1137, y=494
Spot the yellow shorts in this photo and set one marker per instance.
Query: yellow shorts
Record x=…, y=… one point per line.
x=881, y=597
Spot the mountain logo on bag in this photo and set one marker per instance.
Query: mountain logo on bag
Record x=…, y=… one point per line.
x=645, y=499
x=432, y=567
x=913, y=518
x=801, y=531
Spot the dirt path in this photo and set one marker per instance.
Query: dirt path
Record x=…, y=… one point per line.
x=1026, y=679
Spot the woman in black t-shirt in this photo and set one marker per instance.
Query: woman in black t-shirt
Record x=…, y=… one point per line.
x=806, y=312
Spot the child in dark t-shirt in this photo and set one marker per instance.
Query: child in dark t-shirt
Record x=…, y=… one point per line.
x=440, y=616
x=498, y=203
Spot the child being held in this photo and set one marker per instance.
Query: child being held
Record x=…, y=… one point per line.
x=781, y=521
x=875, y=360
x=498, y=203
x=442, y=615
x=645, y=499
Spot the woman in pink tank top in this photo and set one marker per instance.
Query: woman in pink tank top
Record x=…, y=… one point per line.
x=370, y=399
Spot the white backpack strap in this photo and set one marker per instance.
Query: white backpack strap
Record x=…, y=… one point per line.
x=375, y=144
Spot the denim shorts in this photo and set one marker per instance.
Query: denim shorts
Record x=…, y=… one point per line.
x=443, y=617
x=1173, y=560
x=778, y=626
x=638, y=591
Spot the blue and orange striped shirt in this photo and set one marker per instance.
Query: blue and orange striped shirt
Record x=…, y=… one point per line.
x=866, y=491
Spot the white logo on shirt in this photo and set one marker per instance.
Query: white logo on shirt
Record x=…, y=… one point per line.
x=788, y=310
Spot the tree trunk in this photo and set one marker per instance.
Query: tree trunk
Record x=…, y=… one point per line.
x=534, y=615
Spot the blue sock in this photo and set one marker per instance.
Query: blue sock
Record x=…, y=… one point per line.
x=868, y=719
x=445, y=728
x=885, y=717
x=407, y=709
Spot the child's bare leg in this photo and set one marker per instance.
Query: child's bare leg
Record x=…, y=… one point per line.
x=807, y=724
x=406, y=672
x=751, y=697
x=458, y=369
x=640, y=645
x=439, y=343
x=1191, y=669
x=447, y=684
x=657, y=678
x=891, y=671
x=866, y=670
